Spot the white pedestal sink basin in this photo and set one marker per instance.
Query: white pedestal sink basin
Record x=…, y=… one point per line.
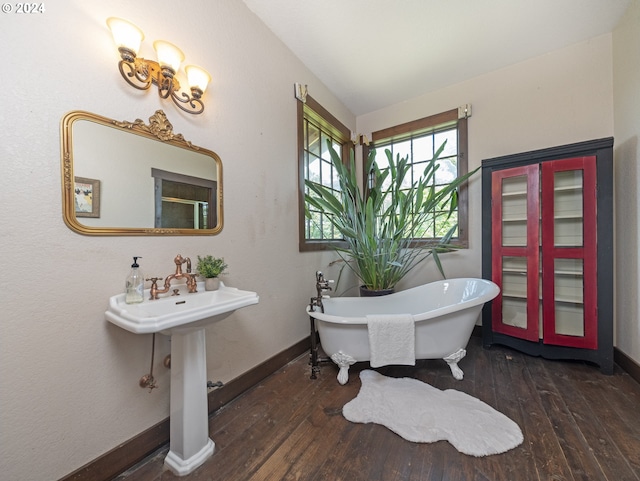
x=183, y=317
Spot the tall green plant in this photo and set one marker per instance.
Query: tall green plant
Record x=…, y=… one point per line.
x=379, y=227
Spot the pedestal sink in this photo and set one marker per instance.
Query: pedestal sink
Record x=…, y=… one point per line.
x=184, y=318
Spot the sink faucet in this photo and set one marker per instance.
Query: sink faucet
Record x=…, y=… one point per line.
x=191, y=278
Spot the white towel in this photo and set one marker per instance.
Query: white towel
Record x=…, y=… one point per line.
x=391, y=339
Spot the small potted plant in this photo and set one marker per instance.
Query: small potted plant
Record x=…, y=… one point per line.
x=211, y=268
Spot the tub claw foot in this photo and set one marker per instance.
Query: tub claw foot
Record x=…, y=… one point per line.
x=343, y=361
x=453, y=360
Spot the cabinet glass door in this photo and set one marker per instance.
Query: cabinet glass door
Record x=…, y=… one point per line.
x=569, y=252
x=515, y=245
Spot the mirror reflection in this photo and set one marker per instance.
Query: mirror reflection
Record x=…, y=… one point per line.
x=130, y=178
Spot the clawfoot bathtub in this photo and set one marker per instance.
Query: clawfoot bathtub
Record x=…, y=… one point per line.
x=444, y=313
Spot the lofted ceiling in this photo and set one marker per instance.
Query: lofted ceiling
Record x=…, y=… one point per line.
x=376, y=53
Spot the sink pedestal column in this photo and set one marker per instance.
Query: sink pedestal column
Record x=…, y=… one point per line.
x=190, y=445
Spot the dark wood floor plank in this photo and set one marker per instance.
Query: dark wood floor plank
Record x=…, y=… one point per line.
x=512, y=400
x=616, y=450
x=289, y=407
x=305, y=449
x=559, y=402
x=308, y=461
x=348, y=457
x=344, y=460
x=518, y=400
x=502, y=467
x=628, y=387
x=288, y=460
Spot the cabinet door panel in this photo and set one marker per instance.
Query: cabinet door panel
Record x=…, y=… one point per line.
x=569, y=252
x=515, y=244
x=514, y=292
x=569, y=297
x=568, y=213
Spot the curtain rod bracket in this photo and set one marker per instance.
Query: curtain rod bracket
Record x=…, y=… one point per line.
x=464, y=111
x=301, y=92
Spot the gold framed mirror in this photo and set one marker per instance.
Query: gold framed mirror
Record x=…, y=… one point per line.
x=132, y=178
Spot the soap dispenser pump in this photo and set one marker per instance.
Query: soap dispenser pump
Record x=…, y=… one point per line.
x=134, y=286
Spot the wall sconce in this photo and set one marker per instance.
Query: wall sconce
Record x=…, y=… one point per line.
x=141, y=73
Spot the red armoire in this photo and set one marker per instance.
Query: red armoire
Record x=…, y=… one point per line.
x=547, y=241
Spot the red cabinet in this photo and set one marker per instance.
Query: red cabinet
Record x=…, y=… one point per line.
x=548, y=244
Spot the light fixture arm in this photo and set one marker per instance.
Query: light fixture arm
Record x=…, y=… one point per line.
x=194, y=102
x=141, y=74
x=138, y=73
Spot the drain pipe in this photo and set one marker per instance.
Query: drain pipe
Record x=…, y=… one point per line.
x=148, y=381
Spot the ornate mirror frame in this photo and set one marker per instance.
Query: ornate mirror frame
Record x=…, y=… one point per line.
x=160, y=130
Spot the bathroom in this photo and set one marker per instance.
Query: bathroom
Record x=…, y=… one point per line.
x=69, y=379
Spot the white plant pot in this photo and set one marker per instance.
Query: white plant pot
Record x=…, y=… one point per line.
x=212, y=284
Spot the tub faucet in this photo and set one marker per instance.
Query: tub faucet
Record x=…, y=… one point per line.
x=192, y=285
x=316, y=303
x=321, y=285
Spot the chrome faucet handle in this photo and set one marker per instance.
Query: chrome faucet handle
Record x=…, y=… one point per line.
x=322, y=284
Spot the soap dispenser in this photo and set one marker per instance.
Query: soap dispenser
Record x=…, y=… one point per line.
x=134, y=287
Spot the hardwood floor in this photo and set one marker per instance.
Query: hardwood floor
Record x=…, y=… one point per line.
x=578, y=424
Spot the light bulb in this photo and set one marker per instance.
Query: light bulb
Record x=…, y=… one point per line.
x=125, y=34
x=197, y=77
x=168, y=54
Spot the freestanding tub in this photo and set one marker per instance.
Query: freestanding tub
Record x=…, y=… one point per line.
x=444, y=313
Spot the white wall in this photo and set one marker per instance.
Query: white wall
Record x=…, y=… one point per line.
x=626, y=91
x=555, y=99
x=68, y=379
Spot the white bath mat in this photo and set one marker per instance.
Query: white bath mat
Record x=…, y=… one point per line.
x=424, y=414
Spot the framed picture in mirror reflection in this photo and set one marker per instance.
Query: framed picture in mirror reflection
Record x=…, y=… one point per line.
x=87, y=197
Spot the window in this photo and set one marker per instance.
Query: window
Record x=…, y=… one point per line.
x=419, y=140
x=316, y=126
